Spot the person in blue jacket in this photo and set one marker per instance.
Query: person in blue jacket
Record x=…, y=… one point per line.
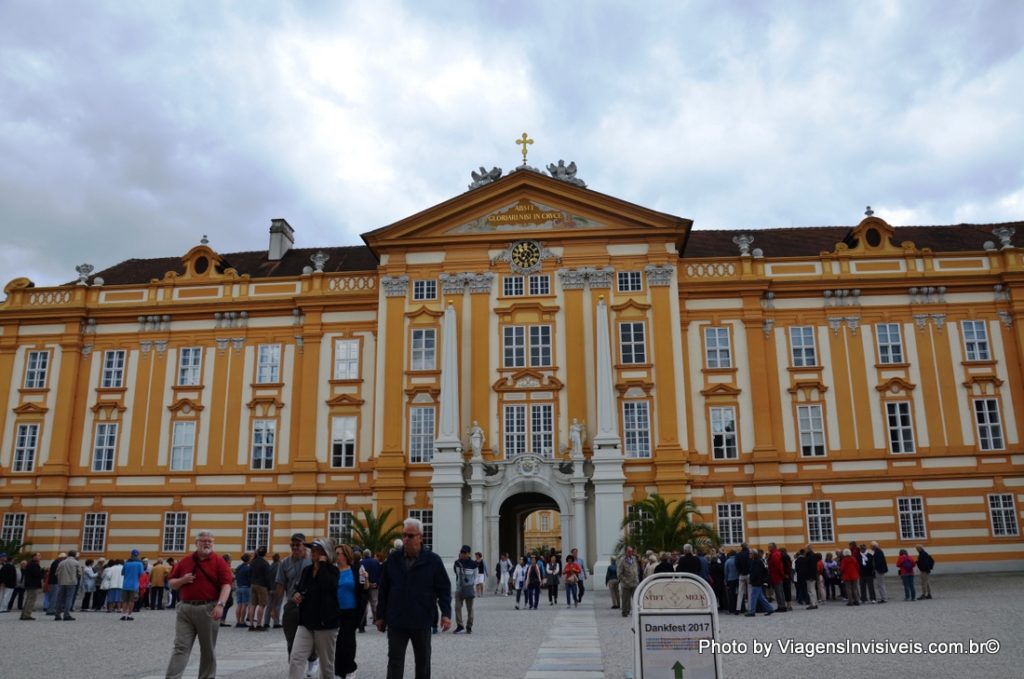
x=412, y=580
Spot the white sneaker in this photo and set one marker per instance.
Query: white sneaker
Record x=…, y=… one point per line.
x=312, y=668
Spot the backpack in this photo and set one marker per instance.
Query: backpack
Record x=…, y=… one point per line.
x=466, y=578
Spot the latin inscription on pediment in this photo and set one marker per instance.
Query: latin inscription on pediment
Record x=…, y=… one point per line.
x=526, y=215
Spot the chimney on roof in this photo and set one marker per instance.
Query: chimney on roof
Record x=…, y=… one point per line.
x=282, y=238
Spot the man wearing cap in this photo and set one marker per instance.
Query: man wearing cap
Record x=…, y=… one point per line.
x=132, y=571
x=69, y=572
x=316, y=595
x=287, y=580
x=205, y=583
x=403, y=610
x=465, y=578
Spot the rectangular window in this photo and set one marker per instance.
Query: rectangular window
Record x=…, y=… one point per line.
x=990, y=431
x=25, y=447
x=730, y=522
x=639, y=519
x=515, y=346
x=801, y=339
x=901, y=433
x=723, y=433
x=811, y=426
x=13, y=529
x=263, y=439
x=911, y=514
x=542, y=430
x=257, y=530
x=512, y=286
x=819, y=521
x=629, y=281
x=545, y=522
x=175, y=532
x=189, y=361
x=268, y=371
x=514, y=349
x=717, y=353
x=94, y=532
x=426, y=517
x=1000, y=507
x=540, y=284
x=113, y=369
x=424, y=290
x=35, y=371
x=636, y=428
x=890, y=345
x=424, y=346
x=104, y=446
x=515, y=431
x=421, y=434
x=183, y=446
x=339, y=527
x=540, y=346
x=632, y=347
x=343, y=441
x=975, y=340
x=346, y=359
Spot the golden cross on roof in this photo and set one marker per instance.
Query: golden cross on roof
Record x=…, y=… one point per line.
x=524, y=141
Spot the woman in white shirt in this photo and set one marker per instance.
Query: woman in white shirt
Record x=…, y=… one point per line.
x=114, y=585
x=518, y=578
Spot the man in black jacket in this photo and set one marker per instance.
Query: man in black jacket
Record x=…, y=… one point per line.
x=33, y=585
x=881, y=568
x=758, y=579
x=743, y=568
x=412, y=580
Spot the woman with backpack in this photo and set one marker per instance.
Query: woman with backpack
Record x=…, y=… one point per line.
x=905, y=565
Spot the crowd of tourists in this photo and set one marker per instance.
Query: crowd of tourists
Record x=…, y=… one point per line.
x=749, y=581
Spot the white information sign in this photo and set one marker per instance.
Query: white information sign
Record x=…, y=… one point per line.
x=672, y=613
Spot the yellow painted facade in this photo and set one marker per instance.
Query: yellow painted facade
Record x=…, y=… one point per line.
x=871, y=391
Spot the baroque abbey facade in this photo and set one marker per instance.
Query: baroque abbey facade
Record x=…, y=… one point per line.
x=529, y=344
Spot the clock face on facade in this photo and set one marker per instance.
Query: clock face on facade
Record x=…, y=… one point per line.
x=525, y=254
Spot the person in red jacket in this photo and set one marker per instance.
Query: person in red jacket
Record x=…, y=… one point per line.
x=776, y=576
x=849, y=569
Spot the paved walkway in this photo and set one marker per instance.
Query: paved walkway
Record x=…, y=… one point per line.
x=572, y=649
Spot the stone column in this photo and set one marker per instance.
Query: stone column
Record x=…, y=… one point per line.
x=447, y=479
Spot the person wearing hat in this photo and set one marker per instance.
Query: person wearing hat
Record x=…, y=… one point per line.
x=465, y=579
x=319, y=614
x=132, y=571
x=287, y=581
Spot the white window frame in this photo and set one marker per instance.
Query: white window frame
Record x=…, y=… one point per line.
x=264, y=444
x=724, y=441
x=13, y=528
x=175, y=532
x=421, y=434
x=339, y=527
x=268, y=364
x=183, y=445
x=26, y=445
x=257, y=530
x=910, y=515
x=1002, y=511
x=514, y=430
x=818, y=512
x=636, y=429
x=512, y=286
x=544, y=521
x=542, y=429
x=346, y=359
x=343, y=441
x=900, y=425
x=513, y=346
x=730, y=522
x=114, y=361
x=633, y=343
x=890, y=343
x=524, y=345
x=540, y=346
x=104, y=448
x=37, y=365
x=426, y=517
x=94, y=532
x=629, y=281
x=717, y=347
x=976, y=345
x=803, y=349
x=988, y=424
x=190, y=361
x=637, y=516
x=810, y=425
x=540, y=284
x=424, y=290
x=424, y=348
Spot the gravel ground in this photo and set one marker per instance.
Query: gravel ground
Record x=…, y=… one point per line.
x=504, y=642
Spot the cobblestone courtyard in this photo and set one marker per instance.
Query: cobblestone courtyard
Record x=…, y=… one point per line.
x=588, y=642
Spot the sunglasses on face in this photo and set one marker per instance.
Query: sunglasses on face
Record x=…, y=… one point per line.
x=410, y=536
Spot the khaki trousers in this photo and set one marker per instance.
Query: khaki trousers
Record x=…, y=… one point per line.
x=459, y=600
x=613, y=588
x=742, y=593
x=31, y=597
x=194, y=621
x=926, y=589
x=323, y=641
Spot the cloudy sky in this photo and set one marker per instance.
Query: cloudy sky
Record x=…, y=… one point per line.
x=130, y=129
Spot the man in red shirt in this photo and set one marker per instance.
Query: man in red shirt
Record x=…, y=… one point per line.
x=776, y=576
x=205, y=583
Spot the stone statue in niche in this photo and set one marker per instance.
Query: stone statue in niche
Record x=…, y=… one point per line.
x=476, y=439
x=577, y=432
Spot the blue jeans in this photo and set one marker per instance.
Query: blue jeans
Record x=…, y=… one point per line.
x=908, y=587
x=572, y=593
x=757, y=597
x=532, y=596
x=65, y=599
